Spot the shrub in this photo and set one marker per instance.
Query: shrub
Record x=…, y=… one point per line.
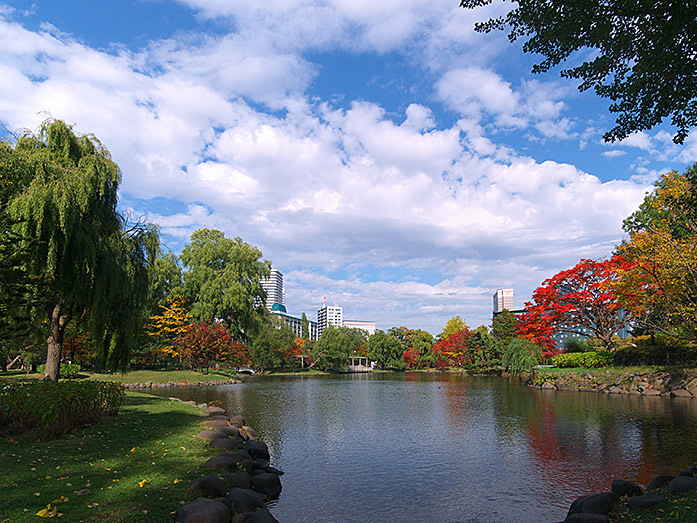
x=575, y=344
x=520, y=356
x=68, y=371
x=646, y=354
x=55, y=408
x=583, y=359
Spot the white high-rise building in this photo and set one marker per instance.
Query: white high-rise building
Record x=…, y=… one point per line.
x=367, y=326
x=503, y=299
x=333, y=315
x=275, y=294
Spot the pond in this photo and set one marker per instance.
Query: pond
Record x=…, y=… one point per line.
x=447, y=448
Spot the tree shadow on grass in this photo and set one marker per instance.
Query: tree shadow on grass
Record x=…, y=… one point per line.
x=137, y=465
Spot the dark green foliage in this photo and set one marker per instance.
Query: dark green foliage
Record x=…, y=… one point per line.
x=223, y=281
x=386, y=350
x=503, y=330
x=90, y=260
x=304, y=328
x=583, y=359
x=645, y=354
x=520, y=356
x=272, y=346
x=332, y=350
x=576, y=344
x=52, y=409
x=644, y=54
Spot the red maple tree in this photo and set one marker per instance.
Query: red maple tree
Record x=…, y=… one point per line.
x=578, y=301
x=453, y=350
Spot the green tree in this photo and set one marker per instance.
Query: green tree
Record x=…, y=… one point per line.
x=643, y=54
x=520, y=356
x=304, y=328
x=272, y=345
x=452, y=326
x=223, y=281
x=91, y=261
x=386, y=350
x=166, y=280
x=503, y=330
x=334, y=347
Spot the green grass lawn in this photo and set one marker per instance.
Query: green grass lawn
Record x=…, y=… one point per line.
x=681, y=508
x=135, y=376
x=138, y=466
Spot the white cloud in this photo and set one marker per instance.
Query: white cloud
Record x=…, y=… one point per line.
x=320, y=187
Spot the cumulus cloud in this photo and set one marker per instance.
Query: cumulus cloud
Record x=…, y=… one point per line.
x=334, y=195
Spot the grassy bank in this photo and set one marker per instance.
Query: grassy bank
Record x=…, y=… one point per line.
x=679, y=509
x=137, y=466
x=135, y=376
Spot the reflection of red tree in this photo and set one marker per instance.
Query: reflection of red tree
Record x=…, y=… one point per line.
x=572, y=465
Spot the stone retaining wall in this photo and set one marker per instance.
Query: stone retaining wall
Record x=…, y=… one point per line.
x=151, y=385
x=682, y=383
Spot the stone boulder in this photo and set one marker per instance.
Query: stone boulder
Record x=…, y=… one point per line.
x=210, y=486
x=210, y=435
x=682, y=484
x=260, y=515
x=203, y=510
x=226, y=443
x=257, y=449
x=647, y=500
x=238, y=419
x=239, y=479
x=622, y=487
x=217, y=424
x=659, y=481
x=216, y=410
x=222, y=462
x=230, y=431
x=253, y=433
x=245, y=500
x=688, y=471
x=594, y=504
x=267, y=484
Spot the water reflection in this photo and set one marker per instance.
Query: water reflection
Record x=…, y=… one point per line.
x=410, y=447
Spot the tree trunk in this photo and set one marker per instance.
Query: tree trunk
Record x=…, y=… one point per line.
x=54, y=351
x=15, y=360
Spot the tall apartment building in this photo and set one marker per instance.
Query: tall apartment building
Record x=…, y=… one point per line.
x=275, y=294
x=329, y=316
x=503, y=299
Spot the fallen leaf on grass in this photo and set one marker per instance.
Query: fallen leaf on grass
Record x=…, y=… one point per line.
x=141, y=483
x=47, y=512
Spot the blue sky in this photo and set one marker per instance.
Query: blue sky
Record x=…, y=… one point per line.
x=381, y=154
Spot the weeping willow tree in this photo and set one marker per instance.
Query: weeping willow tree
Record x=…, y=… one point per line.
x=92, y=263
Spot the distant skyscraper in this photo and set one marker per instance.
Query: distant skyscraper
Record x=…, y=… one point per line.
x=329, y=316
x=503, y=299
x=275, y=294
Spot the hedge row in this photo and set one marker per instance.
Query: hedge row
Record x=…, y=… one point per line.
x=583, y=359
x=53, y=409
x=656, y=355
x=68, y=371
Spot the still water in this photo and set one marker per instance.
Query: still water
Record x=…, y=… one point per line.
x=445, y=448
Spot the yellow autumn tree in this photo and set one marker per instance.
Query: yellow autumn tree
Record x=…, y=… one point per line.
x=659, y=287
x=169, y=325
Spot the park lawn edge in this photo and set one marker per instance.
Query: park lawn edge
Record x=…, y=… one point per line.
x=137, y=465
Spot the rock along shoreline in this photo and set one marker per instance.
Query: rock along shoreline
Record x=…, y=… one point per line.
x=676, y=384
x=155, y=385
x=241, y=477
